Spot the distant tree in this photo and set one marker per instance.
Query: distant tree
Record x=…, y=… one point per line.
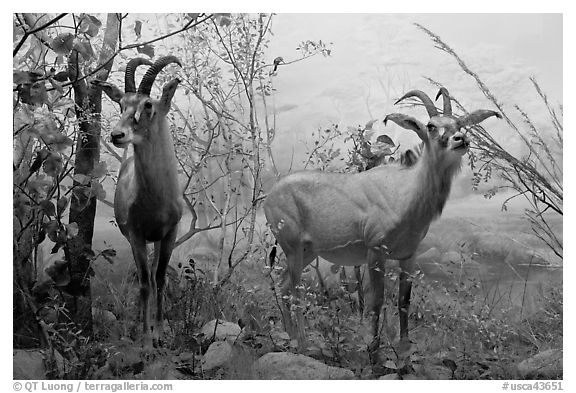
x=228, y=129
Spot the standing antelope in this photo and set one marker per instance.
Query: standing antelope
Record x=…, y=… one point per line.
x=368, y=217
x=147, y=201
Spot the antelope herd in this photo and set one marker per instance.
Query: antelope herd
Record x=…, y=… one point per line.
x=347, y=219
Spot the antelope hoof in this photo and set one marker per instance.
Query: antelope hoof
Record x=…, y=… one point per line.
x=405, y=346
x=374, y=346
x=147, y=343
x=158, y=338
x=158, y=342
x=374, y=356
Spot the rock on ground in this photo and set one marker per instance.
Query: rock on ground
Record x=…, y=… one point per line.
x=217, y=355
x=285, y=365
x=225, y=331
x=432, y=255
x=390, y=377
x=103, y=316
x=29, y=364
x=159, y=369
x=547, y=364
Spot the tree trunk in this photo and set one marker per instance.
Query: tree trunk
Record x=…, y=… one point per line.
x=82, y=207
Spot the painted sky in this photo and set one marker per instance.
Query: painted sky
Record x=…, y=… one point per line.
x=377, y=57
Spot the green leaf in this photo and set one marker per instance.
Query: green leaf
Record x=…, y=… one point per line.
x=385, y=139
x=53, y=164
x=100, y=170
x=63, y=43
x=61, y=76
x=146, y=50
x=390, y=364
x=84, y=47
x=82, y=179
x=60, y=142
x=59, y=273
x=61, y=205
x=21, y=205
x=33, y=94
x=41, y=236
x=369, y=125
x=98, y=190
x=138, y=28
x=22, y=77
x=368, y=135
x=56, y=85
x=48, y=207
x=40, y=157
x=62, y=237
x=52, y=229
x=89, y=25
x=39, y=185
x=65, y=105
x=224, y=19
x=71, y=230
x=23, y=117
x=44, y=125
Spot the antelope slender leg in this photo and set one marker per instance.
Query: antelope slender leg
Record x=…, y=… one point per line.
x=293, y=315
x=376, y=299
x=154, y=288
x=404, y=291
x=360, y=289
x=166, y=246
x=138, y=245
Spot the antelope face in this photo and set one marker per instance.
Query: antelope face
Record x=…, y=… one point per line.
x=139, y=111
x=441, y=134
x=445, y=132
x=134, y=125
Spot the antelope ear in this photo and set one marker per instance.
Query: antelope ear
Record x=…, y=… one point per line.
x=408, y=122
x=477, y=117
x=110, y=89
x=409, y=158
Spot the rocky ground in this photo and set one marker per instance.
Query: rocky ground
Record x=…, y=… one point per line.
x=225, y=352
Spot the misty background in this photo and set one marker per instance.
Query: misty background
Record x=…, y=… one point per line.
x=376, y=58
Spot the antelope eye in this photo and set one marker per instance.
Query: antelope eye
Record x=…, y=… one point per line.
x=431, y=127
x=148, y=105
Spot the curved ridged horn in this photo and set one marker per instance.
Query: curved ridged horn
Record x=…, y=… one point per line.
x=446, y=98
x=477, y=117
x=150, y=76
x=129, y=82
x=427, y=101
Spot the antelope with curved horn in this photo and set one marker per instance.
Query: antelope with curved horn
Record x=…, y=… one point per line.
x=147, y=200
x=368, y=217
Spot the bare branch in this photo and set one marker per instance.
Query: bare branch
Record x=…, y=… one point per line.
x=27, y=33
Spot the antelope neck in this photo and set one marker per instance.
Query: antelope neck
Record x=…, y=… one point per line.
x=433, y=175
x=155, y=166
